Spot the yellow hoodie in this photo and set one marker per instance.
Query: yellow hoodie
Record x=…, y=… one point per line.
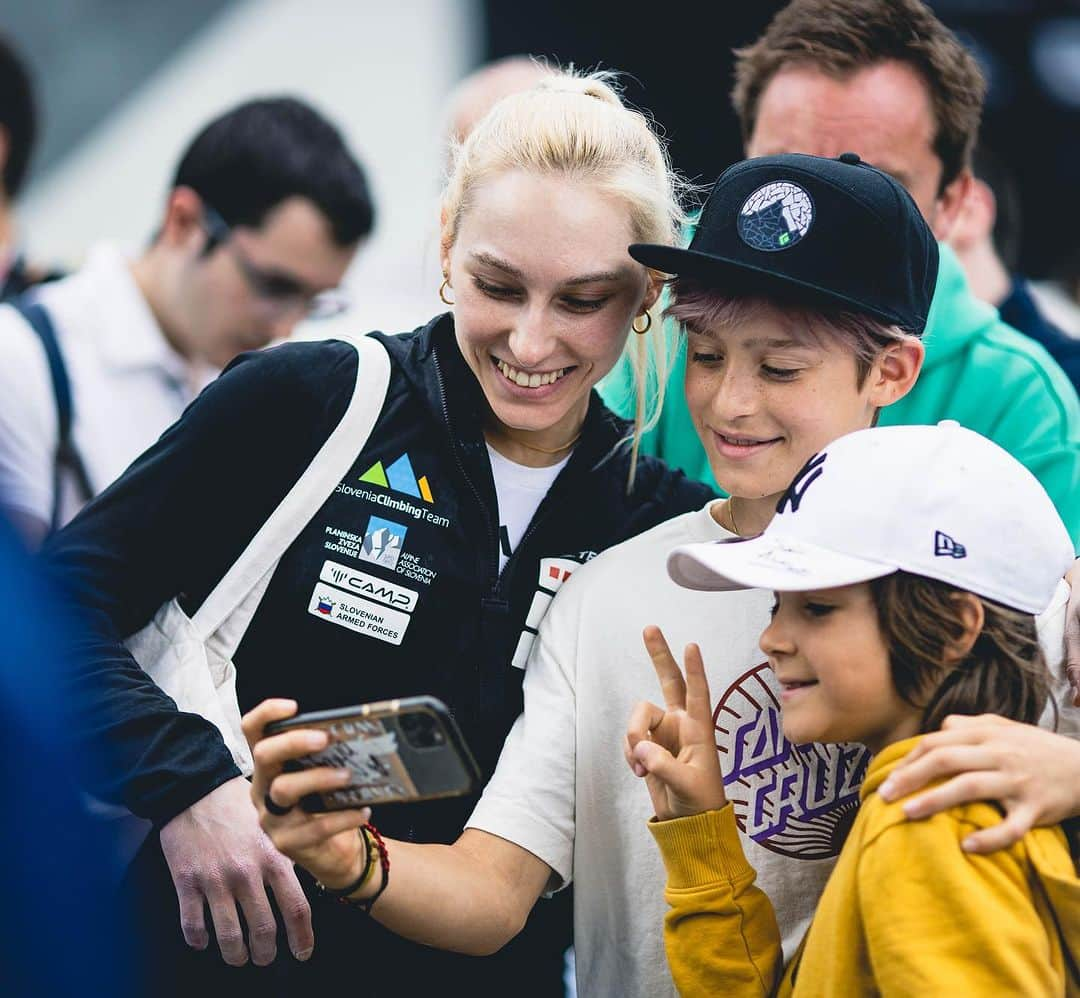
x=905, y=912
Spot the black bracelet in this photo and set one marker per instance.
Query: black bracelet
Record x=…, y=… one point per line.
x=341, y=893
x=384, y=862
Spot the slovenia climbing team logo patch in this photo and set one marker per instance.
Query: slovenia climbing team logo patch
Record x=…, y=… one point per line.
x=775, y=217
x=399, y=476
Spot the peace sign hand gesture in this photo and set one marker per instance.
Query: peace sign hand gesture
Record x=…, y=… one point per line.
x=674, y=748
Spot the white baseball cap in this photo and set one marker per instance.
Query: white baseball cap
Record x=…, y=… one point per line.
x=938, y=501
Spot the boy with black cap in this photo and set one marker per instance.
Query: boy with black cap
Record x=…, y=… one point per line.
x=813, y=354
x=886, y=79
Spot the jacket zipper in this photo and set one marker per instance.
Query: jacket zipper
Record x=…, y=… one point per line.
x=493, y=536
x=529, y=531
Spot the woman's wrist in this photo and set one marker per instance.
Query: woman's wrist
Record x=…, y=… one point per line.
x=372, y=884
x=357, y=873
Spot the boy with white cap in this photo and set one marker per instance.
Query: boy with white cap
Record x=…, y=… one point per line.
x=902, y=596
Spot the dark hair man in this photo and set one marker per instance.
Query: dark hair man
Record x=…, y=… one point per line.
x=887, y=80
x=264, y=214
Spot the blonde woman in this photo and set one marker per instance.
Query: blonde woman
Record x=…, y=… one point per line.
x=493, y=463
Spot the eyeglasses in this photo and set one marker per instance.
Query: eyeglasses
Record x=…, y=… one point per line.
x=281, y=291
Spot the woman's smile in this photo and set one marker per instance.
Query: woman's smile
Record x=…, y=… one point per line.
x=530, y=379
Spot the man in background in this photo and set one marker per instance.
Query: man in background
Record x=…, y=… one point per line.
x=986, y=240
x=481, y=90
x=263, y=216
x=886, y=80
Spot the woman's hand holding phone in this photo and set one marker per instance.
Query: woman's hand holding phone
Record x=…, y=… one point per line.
x=674, y=748
x=327, y=844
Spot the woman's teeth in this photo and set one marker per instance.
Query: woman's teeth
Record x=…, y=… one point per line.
x=524, y=380
x=740, y=441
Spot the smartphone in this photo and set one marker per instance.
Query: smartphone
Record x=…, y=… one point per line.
x=398, y=750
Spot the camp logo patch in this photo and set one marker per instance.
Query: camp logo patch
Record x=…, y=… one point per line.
x=775, y=217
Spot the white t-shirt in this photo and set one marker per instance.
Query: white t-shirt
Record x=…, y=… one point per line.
x=127, y=384
x=519, y=490
x=563, y=791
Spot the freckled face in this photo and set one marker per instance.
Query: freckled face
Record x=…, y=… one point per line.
x=544, y=294
x=764, y=399
x=827, y=652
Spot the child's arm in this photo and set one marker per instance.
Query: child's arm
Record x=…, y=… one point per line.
x=721, y=933
x=941, y=921
x=673, y=747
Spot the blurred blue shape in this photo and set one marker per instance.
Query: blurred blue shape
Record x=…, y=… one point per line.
x=61, y=930
x=1055, y=58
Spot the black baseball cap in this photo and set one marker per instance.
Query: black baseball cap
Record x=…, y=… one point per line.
x=811, y=231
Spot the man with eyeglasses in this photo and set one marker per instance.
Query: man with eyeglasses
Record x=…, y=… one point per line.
x=263, y=217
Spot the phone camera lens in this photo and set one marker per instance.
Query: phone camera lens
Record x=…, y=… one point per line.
x=421, y=730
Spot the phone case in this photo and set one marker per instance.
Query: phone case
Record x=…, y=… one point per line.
x=399, y=751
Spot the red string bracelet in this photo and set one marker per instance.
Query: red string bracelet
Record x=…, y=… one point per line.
x=384, y=861
x=342, y=893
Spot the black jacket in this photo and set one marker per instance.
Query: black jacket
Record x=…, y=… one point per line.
x=181, y=515
x=1021, y=311
x=184, y=511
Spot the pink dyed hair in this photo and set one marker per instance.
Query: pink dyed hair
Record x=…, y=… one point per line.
x=701, y=309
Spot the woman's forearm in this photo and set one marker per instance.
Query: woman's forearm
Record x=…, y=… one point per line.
x=471, y=897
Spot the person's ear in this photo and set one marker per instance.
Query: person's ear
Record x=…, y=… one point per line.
x=971, y=615
x=975, y=222
x=184, y=225
x=950, y=203
x=895, y=371
x=654, y=286
x=446, y=242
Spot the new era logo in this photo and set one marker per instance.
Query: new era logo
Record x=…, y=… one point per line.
x=946, y=547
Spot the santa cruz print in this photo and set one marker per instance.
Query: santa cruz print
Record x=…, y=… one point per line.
x=795, y=800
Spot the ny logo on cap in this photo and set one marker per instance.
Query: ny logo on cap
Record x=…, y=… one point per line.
x=809, y=474
x=946, y=547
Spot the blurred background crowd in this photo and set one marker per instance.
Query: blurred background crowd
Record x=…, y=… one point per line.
x=127, y=83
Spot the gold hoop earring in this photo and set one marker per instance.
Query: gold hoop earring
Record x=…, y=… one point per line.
x=648, y=324
x=442, y=291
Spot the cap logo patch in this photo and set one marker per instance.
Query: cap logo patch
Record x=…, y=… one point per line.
x=946, y=547
x=810, y=473
x=775, y=217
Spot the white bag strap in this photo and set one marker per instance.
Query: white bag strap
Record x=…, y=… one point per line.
x=311, y=490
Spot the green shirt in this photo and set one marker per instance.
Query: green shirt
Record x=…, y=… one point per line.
x=978, y=371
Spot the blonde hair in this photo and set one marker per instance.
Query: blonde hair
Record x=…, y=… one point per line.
x=576, y=125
